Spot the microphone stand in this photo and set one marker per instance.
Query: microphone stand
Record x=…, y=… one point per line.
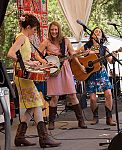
x=115, y=26
x=114, y=81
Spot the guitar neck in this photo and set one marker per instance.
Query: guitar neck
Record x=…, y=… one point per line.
x=101, y=58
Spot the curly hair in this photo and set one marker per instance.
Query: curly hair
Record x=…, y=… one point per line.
x=28, y=19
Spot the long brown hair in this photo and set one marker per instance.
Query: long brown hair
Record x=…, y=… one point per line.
x=60, y=35
x=103, y=39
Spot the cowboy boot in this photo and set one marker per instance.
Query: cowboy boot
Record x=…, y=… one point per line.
x=52, y=116
x=20, y=136
x=95, y=116
x=44, y=139
x=109, y=120
x=78, y=112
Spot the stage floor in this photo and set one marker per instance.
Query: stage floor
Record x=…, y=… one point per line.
x=66, y=131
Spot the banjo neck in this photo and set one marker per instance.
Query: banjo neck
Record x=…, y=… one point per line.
x=72, y=56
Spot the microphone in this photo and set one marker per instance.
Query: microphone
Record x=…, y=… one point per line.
x=113, y=24
x=79, y=21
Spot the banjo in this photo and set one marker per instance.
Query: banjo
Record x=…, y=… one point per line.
x=56, y=61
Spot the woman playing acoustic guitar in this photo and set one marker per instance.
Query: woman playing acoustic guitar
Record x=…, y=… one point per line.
x=99, y=81
x=61, y=82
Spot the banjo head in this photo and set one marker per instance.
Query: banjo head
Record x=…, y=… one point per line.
x=55, y=60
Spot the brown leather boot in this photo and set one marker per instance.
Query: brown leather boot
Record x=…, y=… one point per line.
x=52, y=116
x=109, y=120
x=20, y=136
x=78, y=112
x=95, y=116
x=44, y=139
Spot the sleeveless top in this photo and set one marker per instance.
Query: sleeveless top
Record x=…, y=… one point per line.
x=29, y=97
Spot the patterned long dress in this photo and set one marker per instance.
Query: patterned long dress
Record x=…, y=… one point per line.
x=63, y=83
x=29, y=96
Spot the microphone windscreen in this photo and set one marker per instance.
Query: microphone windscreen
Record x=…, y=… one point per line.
x=79, y=21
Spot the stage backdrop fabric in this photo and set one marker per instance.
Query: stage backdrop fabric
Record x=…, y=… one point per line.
x=39, y=9
x=76, y=9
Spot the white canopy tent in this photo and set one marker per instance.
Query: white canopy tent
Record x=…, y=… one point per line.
x=76, y=9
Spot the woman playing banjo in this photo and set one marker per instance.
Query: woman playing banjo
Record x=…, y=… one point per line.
x=62, y=82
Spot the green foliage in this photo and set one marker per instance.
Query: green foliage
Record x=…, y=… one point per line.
x=8, y=31
x=102, y=12
x=55, y=14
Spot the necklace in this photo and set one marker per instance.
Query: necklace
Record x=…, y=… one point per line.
x=95, y=47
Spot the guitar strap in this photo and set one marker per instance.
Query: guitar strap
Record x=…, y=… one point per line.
x=20, y=61
x=40, y=53
x=102, y=53
x=62, y=48
x=89, y=44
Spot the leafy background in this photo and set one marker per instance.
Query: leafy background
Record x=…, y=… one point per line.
x=102, y=12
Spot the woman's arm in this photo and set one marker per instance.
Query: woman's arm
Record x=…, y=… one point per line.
x=110, y=58
x=42, y=47
x=80, y=50
x=15, y=47
x=72, y=51
x=70, y=47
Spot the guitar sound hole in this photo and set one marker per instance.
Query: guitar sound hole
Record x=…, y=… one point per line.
x=90, y=64
x=90, y=67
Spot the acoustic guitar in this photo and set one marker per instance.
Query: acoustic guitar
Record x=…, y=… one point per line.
x=91, y=64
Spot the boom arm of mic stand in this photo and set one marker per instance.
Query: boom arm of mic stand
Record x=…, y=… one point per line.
x=118, y=31
x=85, y=29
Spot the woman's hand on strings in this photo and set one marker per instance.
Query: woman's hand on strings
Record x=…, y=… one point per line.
x=93, y=51
x=32, y=63
x=114, y=53
x=83, y=69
